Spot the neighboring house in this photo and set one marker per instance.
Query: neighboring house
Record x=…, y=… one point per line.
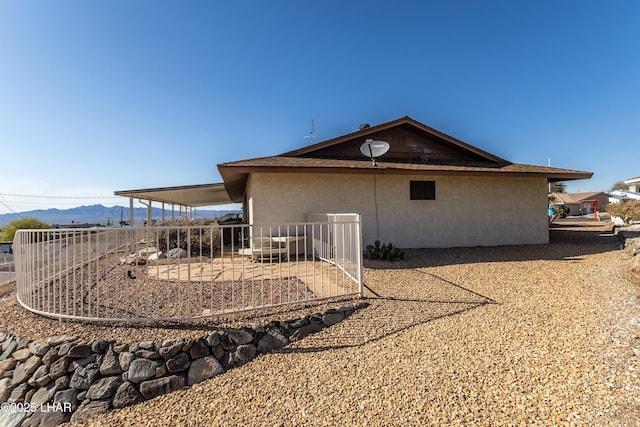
x=633, y=193
x=428, y=190
x=634, y=184
x=580, y=203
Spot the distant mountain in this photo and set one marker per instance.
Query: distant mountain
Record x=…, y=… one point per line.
x=98, y=214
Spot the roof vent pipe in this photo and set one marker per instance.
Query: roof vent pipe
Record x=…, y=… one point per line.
x=365, y=126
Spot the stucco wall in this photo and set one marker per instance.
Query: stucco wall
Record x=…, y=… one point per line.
x=468, y=211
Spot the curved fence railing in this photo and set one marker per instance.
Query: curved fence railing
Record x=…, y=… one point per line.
x=184, y=272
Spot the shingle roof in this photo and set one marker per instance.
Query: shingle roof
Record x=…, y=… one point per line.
x=302, y=160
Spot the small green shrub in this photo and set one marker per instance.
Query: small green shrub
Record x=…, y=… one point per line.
x=27, y=223
x=386, y=252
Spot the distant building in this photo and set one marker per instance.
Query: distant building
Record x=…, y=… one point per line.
x=581, y=203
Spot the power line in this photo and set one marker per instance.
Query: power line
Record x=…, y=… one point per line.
x=62, y=197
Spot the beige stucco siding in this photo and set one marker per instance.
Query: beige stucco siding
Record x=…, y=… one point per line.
x=468, y=211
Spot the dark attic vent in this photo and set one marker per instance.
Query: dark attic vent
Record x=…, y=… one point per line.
x=365, y=126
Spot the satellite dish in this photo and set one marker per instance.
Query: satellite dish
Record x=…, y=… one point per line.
x=374, y=149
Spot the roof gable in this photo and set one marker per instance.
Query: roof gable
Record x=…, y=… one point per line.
x=410, y=142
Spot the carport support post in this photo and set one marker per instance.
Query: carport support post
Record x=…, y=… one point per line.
x=131, y=216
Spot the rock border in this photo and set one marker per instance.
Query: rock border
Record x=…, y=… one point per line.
x=61, y=378
x=630, y=242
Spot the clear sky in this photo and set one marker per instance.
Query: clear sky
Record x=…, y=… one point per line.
x=98, y=96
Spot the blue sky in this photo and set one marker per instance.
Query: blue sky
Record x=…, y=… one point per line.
x=98, y=96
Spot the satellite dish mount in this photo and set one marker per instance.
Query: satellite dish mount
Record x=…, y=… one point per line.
x=373, y=149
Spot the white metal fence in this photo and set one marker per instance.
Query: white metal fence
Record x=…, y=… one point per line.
x=185, y=272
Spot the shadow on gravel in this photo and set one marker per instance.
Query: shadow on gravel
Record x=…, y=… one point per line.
x=568, y=241
x=390, y=315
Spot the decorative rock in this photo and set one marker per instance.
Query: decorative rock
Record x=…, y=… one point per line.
x=89, y=409
x=119, y=348
x=18, y=393
x=99, y=346
x=147, y=345
x=103, y=388
x=63, y=349
x=83, y=377
x=5, y=389
x=240, y=336
x=178, y=363
x=126, y=395
x=26, y=369
x=148, y=354
x=62, y=382
x=80, y=350
x=272, y=340
x=125, y=358
x=81, y=363
x=161, y=371
x=47, y=418
x=213, y=340
x=43, y=394
x=330, y=319
x=7, y=365
x=22, y=355
x=68, y=396
x=39, y=347
x=40, y=377
x=243, y=354
x=141, y=369
x=203, y=369
x=59, y=367
x=152, y=388
x=299, y=323
x=311, y=328
x=50, y=357
x=9, y=349
x=176, y=253
x=218, y=352
x=110, y=364
x=57, y=340
x=170, y=350
x=10, y=418
x=199, y=349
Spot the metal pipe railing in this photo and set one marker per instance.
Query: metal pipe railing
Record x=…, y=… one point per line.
x=185, y=272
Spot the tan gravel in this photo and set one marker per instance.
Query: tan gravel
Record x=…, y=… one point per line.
x=527, y=335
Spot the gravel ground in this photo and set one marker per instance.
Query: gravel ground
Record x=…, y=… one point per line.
x=527, y=335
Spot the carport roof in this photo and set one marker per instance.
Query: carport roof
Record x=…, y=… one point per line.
x=188, y=195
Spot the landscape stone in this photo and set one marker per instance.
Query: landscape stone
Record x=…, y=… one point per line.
x=110, y=364
x=79, y=351
x=83, y=377
x=176, y=253
x=81, y=363
x=147, y=345
x=24, y=370
x=148, y=354
x=126, y=395
x=311, y=328
x=60, y=339
x=50, y=357
x=170, y=350
x=7, y=365
x=59, y=367
x=243, y=354
x=178, y=363
x=104, y=387
x=99, y=346
x=141, y=369
x=152, y=388
x=10, y=347
x=331, y=319
x=89, y=409
x=125, y=358
x=46, y=418
x=43, y=394
x=22, y=355
x=213, y=340
x=239, y=336
x=39, y=347
x=18, y=393
x=199, y=349
x=203, y=369
x=62, y=382
x=11, y=419
x=6, y=387
x=272, y=340
x=67, y=396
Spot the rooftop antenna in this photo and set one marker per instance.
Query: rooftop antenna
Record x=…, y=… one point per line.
x=372, y=149
x=311, y=137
